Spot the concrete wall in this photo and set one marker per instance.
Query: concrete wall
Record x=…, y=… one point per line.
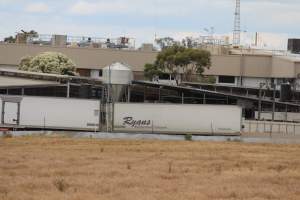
x=96, y=58
x=88, y=58
x=256, y=66
x=283, y=68
x=297, y=69
x=224, y=65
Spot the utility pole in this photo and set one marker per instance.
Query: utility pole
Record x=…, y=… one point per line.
x=237, y=24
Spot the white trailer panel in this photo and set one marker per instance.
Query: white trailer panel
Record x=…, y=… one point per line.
x=174, y=118
x=53, y=113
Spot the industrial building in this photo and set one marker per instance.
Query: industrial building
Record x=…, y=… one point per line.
x=41, y=101
x=244, y=77
x=245, y=68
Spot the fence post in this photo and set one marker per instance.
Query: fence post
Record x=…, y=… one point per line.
x=250, y=127
x=271, y=128
x=152, y=127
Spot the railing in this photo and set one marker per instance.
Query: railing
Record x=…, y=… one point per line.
x=268, y=127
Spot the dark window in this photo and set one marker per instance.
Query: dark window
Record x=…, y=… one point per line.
x=100, y=72
x=227, y=79
x=165, y=76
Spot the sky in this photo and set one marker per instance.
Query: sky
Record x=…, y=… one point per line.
x=275, y=20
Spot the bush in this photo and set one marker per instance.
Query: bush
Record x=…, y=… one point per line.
x=48, y=62
x=61, y=185
x=7, y=135
x=188, y=137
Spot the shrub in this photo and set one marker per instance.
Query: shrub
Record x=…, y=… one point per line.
x=48, y=62
x=7, y=135
x=188, y=137
x=61, y=185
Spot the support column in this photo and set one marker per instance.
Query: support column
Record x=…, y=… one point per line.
x=274, y=104
x=128, y=93
x=68, y=89
x=286, y=112
x=182, y=97
x=145, y=94
x=18, y=113
x=204, y=98
x=159, y=94
x=259, y=104
x=3, y=111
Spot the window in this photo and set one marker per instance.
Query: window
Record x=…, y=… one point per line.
x=100, y=72
x=165, y=76
x=227, y=79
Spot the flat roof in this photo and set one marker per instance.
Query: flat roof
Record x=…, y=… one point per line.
x=50, y=78
x=16, y=81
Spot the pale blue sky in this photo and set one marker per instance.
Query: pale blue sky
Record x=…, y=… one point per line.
x=275, y=19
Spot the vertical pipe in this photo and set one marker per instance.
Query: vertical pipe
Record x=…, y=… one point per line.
x=204, y=98
x=286, y=112
x=159, y=93
x=113, y=117
x=18, y=113
x=259, y=104
x=109, y=98
x=182, y=97
x=128, y=93
x=249, y=126
x=274, y=104
x=152, y=127
x=145, y=97
x=3, y=112
x=100, y=111
x=68, y=89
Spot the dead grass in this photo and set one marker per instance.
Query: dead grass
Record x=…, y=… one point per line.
x=61, y=168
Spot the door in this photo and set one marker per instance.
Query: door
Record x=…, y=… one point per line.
x=11, y=113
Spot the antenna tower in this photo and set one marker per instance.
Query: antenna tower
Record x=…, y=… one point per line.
x=237, y=24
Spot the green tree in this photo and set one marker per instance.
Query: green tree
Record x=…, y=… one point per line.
x=151, y=70
x=165, y=42
x=10, y=39
x=48, y=62
x=178, y=60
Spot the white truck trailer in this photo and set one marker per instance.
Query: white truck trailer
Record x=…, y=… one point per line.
x=178, y=118
x=50, y=113
x=76, y=114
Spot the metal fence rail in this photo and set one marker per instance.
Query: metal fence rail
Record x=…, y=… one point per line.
x=257, y=127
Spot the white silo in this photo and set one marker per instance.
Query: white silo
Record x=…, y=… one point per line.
x=118, y=76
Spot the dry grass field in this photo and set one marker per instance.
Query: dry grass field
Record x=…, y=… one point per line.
x=40, y=168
